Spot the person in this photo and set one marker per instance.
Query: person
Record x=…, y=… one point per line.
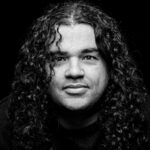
x=75, y=86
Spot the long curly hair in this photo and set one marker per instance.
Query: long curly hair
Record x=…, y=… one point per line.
x=122, y=112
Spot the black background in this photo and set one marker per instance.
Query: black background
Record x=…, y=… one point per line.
x=16, y=18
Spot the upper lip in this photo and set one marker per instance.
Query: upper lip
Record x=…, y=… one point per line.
x=75, y=86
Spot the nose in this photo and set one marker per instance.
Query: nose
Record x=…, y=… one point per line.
x=74, y=69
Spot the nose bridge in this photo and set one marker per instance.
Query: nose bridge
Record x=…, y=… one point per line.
x=74, y=68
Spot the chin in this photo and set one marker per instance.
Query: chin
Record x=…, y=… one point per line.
x=76, y=104
x=75, y=111
x=76, y=108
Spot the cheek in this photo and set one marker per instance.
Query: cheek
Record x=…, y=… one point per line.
x=57, y=80
x=99, y=77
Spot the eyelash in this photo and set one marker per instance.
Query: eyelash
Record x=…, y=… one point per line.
x=63, y=58
x=90, y=57
x=59, y=58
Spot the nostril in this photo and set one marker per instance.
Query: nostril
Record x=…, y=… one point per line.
x=74, y=73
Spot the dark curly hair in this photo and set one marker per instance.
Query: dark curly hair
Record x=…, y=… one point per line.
x=122, y=112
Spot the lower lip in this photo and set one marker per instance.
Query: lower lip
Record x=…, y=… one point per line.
x=76, y=91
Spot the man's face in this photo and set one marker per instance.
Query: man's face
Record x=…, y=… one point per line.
x=80, y=73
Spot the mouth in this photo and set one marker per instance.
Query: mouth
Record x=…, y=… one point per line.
x=75, y=89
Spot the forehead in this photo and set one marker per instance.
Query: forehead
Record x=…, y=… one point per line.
x=74, y=37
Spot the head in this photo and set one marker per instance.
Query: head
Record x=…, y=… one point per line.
x=76, y=56
x=80, y=74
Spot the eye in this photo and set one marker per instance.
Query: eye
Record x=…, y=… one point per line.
x=59, y=58
x=89, y=57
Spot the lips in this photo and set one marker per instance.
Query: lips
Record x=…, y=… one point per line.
x=75, y=88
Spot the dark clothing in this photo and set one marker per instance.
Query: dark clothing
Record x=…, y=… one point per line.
x=78, y=139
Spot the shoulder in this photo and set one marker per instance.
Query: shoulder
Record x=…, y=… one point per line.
x=4, y=124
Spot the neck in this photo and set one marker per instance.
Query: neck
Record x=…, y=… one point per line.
x=77, y=122
x=72, y=138
x=76, y=119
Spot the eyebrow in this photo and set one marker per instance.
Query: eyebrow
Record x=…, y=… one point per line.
x=84, y=51
x=90, y=50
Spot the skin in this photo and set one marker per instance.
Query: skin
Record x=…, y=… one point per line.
x=80, y=73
